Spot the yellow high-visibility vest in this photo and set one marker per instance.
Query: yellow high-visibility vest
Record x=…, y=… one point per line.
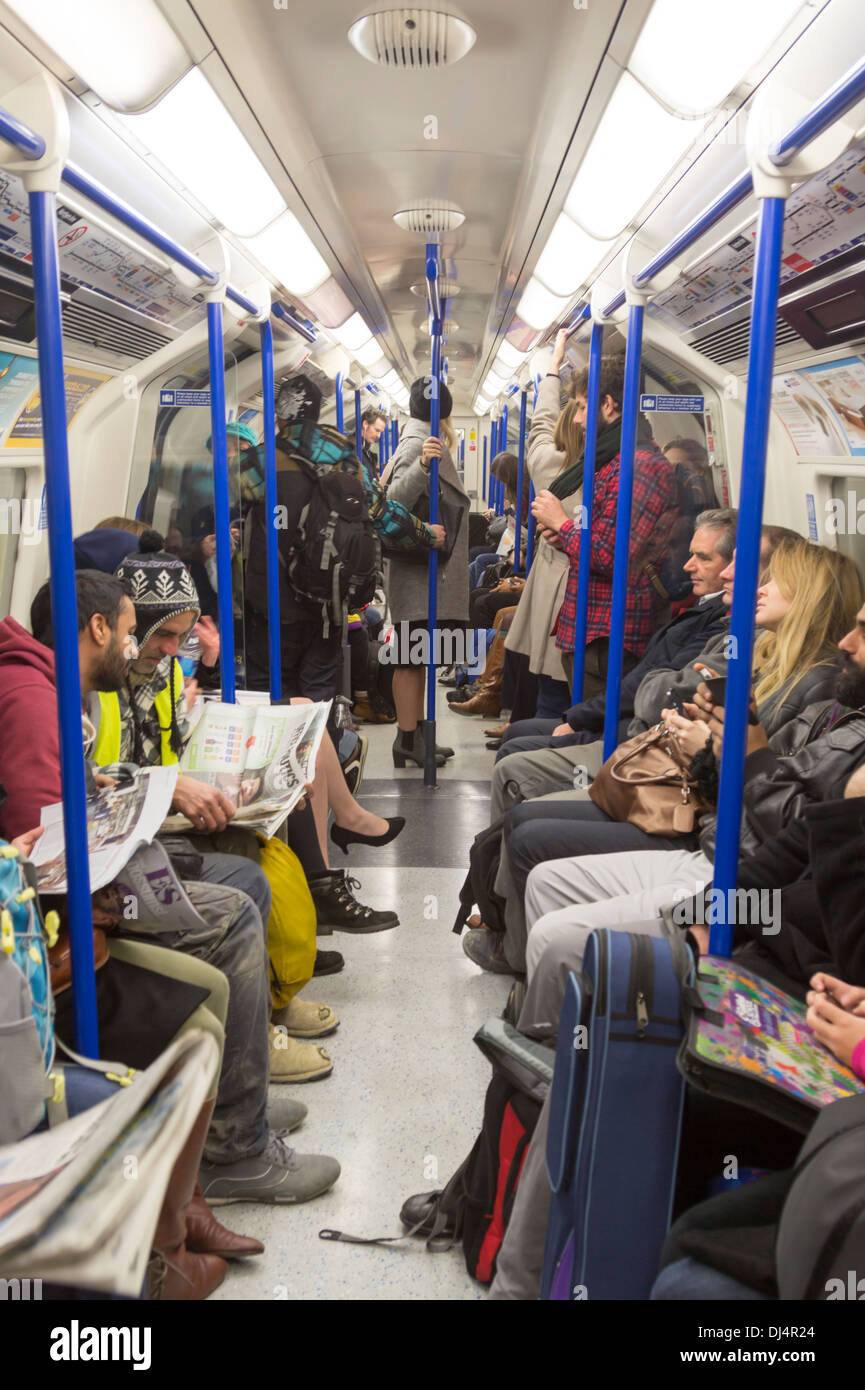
x=106, y=749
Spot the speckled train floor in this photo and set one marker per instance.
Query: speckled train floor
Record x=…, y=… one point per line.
x=405, y=1099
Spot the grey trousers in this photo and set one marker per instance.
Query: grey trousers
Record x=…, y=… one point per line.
x=524, y=776
x=565, y=900
x=516, y=931
x=232, y=938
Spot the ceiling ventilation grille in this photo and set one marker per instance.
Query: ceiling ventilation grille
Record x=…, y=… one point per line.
x=412, y=38
x=731, y=344
x=428, y=217
x=84, y=324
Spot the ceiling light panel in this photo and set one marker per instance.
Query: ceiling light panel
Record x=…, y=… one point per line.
x=193, y=135
x=539, y=307
x=286, y=251
x=353, y=333
x=568, y=258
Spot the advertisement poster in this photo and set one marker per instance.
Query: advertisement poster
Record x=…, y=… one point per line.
x=809, y=421
x=842, y=385
x=18, y=379
x=80, y=384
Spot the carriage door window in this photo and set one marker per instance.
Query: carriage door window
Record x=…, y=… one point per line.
x=847, y=518
x=172, y=488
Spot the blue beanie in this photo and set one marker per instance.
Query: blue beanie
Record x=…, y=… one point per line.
x=104, y=549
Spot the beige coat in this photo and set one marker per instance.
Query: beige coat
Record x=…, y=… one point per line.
x=542, y=597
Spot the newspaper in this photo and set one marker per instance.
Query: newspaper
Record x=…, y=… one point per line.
x=260, y=756
x=119, y=820
x=153, y=893
x=79, y=1203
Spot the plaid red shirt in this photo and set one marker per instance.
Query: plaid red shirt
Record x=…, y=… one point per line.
x=652, y=517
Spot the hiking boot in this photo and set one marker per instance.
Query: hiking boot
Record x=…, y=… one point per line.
x=486, y=949
x=303, y=1019
x=328, y=963
x=284, y=1114
x=277, y=1175
x=293, y=1061
x=337, y=907
x=365, y=711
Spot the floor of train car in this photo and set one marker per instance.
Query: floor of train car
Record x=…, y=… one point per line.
x=404, y=1102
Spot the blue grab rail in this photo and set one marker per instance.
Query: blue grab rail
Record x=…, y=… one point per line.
x=630, y=403
x=46, y=288
x=269, y=409
x=429, y=772
x=340, y=415
x=521, y=464
x=221, y=502
x=593, y=392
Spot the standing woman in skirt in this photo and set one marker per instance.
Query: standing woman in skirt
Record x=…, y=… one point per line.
x=407, y=582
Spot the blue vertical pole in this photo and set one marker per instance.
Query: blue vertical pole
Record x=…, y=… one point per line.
x=596, y=348
x=623, y=527
x=758, y=402
x=503, y=444
x=530, y=538
x=272, y=554
x=358, y=435
x=491, y=484
x=484, y=476
x=340, y=409
x=46, y=285
x=383, y=449
x=394, y=436
x=221, y=504
x=521, y=464
x=429, y=772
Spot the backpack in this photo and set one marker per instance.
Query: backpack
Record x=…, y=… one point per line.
x=479, y=885
x=26, y=1002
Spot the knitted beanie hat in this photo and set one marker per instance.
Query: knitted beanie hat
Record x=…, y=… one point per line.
x=160, y=587
x=420, y=404
x=298, y=400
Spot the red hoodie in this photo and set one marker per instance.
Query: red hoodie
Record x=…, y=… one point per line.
x=29, y=741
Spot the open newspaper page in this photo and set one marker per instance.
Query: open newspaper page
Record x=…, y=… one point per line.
x=119, y=820
x=260, y=756
x=152, y=892
x=71, y=1207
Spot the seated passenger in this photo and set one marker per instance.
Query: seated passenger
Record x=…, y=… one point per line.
x=243, y=1154
x=653, y=516
x=804, y=620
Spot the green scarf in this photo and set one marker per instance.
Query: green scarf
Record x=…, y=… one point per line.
x=607, y=446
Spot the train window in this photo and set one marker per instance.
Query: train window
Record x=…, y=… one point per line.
x=172, y=485
x=680, y=413
x=12, y=523
x=846, y=517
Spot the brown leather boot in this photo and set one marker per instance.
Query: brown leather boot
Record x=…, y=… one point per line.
x=175, y=1273
x=207, y=1236
x=487, y=701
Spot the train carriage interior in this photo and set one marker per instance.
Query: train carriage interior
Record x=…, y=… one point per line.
x=435, y=433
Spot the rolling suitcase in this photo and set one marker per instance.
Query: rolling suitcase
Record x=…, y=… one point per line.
x=615, y=1117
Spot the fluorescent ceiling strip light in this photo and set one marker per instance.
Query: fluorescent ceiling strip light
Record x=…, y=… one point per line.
x=691, y=61
x=125, y=50
x=353, y=334
x=568, y=258
x=510, y=357
x=635, y=146
x=538, y=307
x=193, y=135
x=370, y=355
x=287, y=253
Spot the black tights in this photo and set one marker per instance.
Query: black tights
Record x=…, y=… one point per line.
x=300, y=832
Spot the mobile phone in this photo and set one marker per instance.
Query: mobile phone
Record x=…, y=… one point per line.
x=717, y=688
x=674, y=700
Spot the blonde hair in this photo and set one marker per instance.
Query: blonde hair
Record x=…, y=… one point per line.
x=447, y=433
x=123, y=523
x=825, y=592
x=569, y=437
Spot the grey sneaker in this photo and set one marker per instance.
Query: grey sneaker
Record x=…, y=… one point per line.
x=284, y=1115
x=277, y=1175
x=486, y=949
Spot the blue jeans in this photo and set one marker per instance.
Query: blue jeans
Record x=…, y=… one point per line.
x=477, y=568
x=554, y=697
x=688, y=1280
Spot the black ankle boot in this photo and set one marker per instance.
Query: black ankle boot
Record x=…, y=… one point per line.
x=338, y=909
x=412, y=748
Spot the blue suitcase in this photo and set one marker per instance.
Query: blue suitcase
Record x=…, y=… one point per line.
x=615, y=1117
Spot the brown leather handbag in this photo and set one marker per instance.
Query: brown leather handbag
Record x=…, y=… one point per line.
x=647, y=783
x=60, y=958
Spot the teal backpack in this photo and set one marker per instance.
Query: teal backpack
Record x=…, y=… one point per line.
x=27, y=1044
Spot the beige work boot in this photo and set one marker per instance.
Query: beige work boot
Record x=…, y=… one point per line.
x=293, y=1061
x=304, y=1019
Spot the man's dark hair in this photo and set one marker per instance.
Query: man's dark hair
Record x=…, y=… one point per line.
x=612, y=379
x=371, y=414
x=95, y=592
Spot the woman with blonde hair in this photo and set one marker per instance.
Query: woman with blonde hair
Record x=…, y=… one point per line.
x=556, y=443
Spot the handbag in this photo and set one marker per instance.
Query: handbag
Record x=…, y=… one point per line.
x=647, y=783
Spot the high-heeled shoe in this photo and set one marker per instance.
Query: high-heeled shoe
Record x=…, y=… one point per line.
x=344, y=838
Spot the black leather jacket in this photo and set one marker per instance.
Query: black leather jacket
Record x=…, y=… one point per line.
x=806, y=761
